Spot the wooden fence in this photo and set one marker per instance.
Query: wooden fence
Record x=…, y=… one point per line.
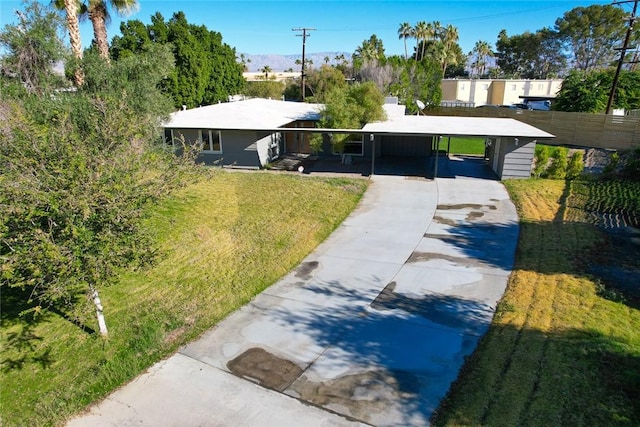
x=573, y=129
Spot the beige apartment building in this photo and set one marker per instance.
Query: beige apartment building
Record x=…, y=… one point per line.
x=477, y=92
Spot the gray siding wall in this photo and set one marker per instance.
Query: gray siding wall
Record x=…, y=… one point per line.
x=518, y=159
x=238, y=147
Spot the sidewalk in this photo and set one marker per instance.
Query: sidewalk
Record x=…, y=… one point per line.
x=371, y=328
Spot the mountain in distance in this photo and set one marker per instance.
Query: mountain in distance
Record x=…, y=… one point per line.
x=279, y=63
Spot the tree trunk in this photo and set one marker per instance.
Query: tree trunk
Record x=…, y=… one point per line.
x=98, y=16
x=71, y=9
x=102, y=324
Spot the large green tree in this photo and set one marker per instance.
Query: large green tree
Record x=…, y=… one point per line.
x=416, y=81
x=588, y=92
x=591, y=33
x=76, y=171
x=206, y=70
x=350, y=107
x=323, y=80
x=529, y=55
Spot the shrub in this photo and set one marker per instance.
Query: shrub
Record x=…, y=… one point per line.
x=612, y=166
x=558, y=167
x=541, y=160
x=576, y=165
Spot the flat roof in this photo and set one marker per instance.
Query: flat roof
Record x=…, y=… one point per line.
x=250, y=114
x=270, y=115
x=456, y=125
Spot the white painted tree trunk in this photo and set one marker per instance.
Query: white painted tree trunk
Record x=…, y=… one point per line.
x=102, y=324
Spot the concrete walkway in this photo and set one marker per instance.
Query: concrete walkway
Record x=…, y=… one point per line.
x=371, y=328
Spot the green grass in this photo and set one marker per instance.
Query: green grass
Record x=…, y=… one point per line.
x=473, y=146
x=559, y=351
x=220, y=242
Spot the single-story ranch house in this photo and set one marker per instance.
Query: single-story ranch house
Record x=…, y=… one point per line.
x=255, y=132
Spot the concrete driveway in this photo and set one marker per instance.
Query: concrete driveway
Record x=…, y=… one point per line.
x=371, y=328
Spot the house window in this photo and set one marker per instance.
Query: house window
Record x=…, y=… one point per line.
x=353, y=146
x=211, y=141
x=513, y=87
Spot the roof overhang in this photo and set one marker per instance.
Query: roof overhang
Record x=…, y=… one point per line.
x=456, y=126
x=262, y=115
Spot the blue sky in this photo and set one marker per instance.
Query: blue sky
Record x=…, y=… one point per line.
x=265, y=27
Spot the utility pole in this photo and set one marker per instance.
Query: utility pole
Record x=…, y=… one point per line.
x=304, y=36
x=623, y=51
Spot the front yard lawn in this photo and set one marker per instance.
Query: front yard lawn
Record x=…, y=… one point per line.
x=220, y=242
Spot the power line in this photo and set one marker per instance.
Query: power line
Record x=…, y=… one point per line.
x=304, y=36
x=623, y=50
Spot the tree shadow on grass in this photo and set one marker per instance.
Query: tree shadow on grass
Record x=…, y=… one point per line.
x=21, y=341
x=609, y=258
x=525, y=376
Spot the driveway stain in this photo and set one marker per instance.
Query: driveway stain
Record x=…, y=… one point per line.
x=459, y=206
x=442, y=220
x=269, y=370
x=474, y=215
x=465, y=206
x=361, y=395
x=428, y=256
x=305, y=269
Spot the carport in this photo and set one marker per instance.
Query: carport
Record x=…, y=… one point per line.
x=510, y=144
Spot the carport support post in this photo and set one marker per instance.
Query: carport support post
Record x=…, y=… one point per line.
x=373, y=153
x=435, y=171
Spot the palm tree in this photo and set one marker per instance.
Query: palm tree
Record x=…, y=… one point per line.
x=422, y=33
x=437, y=29
x=449, y=36
x=482, y=51
x=404, y=32
x=72, y=9
x=99, y=16
x=266, y=70
x=244, y=61
x=326, y=60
